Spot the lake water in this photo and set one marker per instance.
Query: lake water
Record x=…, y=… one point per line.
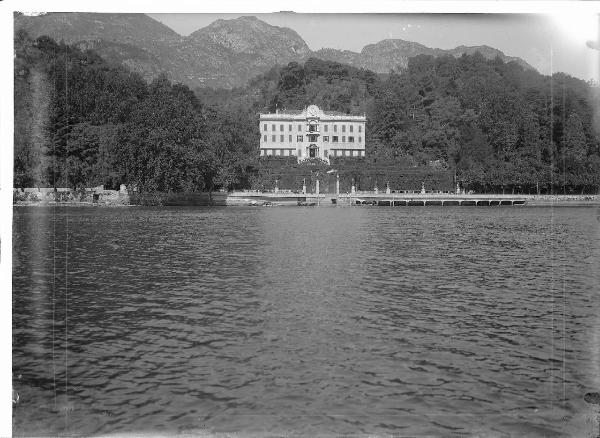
x=311, y=321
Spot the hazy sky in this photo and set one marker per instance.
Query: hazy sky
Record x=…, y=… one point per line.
x=529, y=36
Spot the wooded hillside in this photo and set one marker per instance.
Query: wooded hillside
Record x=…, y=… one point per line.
x=82, y=121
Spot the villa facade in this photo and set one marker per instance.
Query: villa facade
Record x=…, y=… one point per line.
x=312, y=133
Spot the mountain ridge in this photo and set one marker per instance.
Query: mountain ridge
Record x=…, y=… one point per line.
x=223, y=54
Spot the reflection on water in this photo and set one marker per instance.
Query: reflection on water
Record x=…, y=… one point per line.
x=417, y=321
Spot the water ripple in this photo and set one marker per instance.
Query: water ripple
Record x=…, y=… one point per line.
x=325, y=321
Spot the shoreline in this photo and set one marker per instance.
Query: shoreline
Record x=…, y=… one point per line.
x=67, y=204
x=246, y=199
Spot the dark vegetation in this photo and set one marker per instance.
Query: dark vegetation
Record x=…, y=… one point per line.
x=82, y=121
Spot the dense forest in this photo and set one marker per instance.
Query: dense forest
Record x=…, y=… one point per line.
x=81, y=122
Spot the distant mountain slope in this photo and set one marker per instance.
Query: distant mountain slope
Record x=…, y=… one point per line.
x=226, y=53
x=84, y=26
x=237, y=50
x=489, y=53
x=390, y=54
x=135, y=40
x=341, y=56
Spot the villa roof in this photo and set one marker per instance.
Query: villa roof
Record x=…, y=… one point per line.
x=290, y=112
x=312, y=111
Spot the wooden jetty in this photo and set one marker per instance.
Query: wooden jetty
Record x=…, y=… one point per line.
x=429, y=199
x=407, y=199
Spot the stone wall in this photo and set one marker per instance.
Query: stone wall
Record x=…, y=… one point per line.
x=176, y=199
x=97, y=195
x=51, y=195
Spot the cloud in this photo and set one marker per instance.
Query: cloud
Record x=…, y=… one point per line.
x=593, y=44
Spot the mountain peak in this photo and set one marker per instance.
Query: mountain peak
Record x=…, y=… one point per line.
x=488, y=53
x=248, y=18
x=248, y=34
x=226, y=53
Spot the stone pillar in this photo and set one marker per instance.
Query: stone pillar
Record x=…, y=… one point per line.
x=317, y=187
x=387, y=189
x=337, y=184
x=376, y=190
x=423, y=188
x=276, y=186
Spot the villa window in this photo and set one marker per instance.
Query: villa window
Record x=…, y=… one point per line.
x=312, y=138
x=272, y=127
x=359, y=138
x=274, y=138
x=350, y=139
x=351, y=153
x=325, y=152
x=290, y=137
x=325, y=128
x=359, y=128
x=343, y=128
x=299, y=138
x=334, y=139
x=290, y=128
x=325, y=138
x=300, y=153
x=334, y=128
x=265, y=127
x=312, y=128
x=281, y=137
x=299, y=128
x=265, y=138
x=335, y=152
x=281, y=128
x=351, y=128
x=343, y=139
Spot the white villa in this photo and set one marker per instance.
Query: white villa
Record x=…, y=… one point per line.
x=312, y=133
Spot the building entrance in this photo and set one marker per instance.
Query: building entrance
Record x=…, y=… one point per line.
x=312, y=151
